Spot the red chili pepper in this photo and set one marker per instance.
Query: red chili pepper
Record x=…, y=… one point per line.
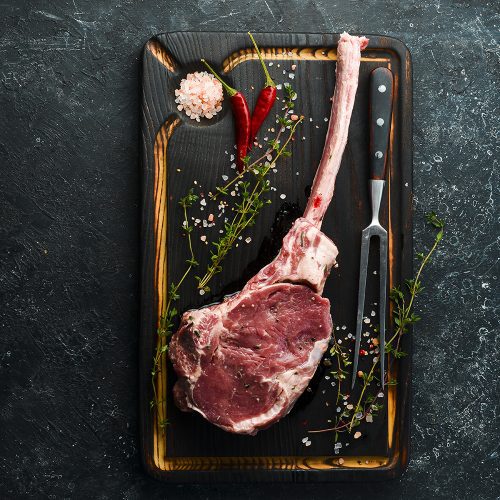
x=241, y=114
x=266, y=99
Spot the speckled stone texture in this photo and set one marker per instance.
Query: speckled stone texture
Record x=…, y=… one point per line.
x=69, y=205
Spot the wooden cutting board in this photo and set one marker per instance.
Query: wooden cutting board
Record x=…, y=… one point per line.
x=176, y=152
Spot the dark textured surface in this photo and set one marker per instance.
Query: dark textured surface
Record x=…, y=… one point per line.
x=69, y=82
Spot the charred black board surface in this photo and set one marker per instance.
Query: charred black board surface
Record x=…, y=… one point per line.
x=197, y=155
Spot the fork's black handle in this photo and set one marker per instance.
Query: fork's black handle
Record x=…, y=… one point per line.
x=381, y=93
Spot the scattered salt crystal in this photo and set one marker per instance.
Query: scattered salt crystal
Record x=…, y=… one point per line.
x=310, y=119
x=283, y=196
x=203, y=238
x=284, y=71
x=294, y=67
x=308, y=443
x=291, y=76
x=369, y=418
x=317, y=126
x=233, y=165
x=233, y=193
x=349, y=407
x=248, y=240
x=326, y=119
x=231, y=158
x=367, y=320
x=380, y=395
x=202, y=292
x=304, y=440
x=357, y=435
x=225, y=177
x=373, y=313
x=344, y=327
x=270, y=64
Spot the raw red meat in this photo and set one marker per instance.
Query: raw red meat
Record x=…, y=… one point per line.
x=243, y=363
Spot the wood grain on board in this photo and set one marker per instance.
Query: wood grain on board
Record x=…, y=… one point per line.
x=177, y=152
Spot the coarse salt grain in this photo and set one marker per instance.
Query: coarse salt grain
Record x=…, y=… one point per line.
x=283, y=196
x=199, y=95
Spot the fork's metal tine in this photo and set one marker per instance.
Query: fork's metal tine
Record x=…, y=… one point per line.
x=382, y=302
x=363, y=270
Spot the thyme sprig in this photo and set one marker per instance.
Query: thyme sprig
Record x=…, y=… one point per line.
x=169, y=314
x=251, y=203
x=403, y=299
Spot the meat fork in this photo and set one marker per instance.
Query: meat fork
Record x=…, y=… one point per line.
x=381, y=93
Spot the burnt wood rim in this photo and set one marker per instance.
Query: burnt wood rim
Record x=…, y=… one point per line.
x=229, y=466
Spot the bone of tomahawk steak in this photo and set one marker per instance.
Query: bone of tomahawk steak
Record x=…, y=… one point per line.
x=243, y=363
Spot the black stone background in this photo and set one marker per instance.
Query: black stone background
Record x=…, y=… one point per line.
x=69, y=212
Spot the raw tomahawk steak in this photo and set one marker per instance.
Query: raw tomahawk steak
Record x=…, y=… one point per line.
x=243, y=363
